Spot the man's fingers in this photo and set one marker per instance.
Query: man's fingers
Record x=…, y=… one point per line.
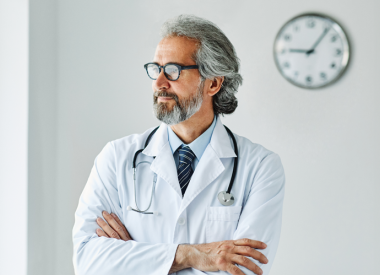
x=244, y=261
x=115, y=226
x=107, y=229
x=234, y=270
x=251, y=243
x=117, y=219
x=122, y=225
x=101, y=233
x=251, y=252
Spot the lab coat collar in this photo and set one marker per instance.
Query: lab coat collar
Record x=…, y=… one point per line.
x=210, y=166
x=208, y=169
x=221, y=141
x=157, y=141
x=163, y=164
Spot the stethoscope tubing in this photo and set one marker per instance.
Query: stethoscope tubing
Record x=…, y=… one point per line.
x=151, y=196
x=134, y=167
x=235, y=160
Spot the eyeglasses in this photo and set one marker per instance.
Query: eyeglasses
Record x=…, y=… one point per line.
x=171, y=71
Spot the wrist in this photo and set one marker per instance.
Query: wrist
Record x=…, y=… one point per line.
x=182, y=258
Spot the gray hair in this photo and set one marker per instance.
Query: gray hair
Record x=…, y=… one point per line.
x=215, y=56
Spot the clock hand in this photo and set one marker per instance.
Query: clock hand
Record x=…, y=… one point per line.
x=298, y=51
x=314, y=46
x=319, y=40
x=302, y=51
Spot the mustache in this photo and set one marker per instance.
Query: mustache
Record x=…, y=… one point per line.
x=156, y=94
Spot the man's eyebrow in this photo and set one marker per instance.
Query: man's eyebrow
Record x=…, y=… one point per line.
x=178, y=63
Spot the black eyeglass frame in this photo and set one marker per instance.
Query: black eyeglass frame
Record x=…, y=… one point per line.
x=180, y=68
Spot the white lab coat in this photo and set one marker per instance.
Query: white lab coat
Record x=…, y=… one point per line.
x=198, y=217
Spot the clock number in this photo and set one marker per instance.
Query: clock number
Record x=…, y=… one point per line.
x=287, y=37
x=338, y=52
x=310, y=23
x=296, y=28
x=323, y=75
x=309, y=79
x=333, y=38
x=286, y=65
x=333, y=65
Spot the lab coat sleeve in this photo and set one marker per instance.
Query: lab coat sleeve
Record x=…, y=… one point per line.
x=261, y=216
x=104, y=256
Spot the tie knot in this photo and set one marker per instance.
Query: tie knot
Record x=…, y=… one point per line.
x=186, y=156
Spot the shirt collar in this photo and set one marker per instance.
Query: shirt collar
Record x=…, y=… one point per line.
x=198, y=146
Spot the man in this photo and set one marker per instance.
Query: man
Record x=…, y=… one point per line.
x=187, y=162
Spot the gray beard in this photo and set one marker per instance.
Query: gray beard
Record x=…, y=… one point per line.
x=181, y=111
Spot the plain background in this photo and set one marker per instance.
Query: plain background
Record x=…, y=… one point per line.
x=13, y=135
x=88, y=86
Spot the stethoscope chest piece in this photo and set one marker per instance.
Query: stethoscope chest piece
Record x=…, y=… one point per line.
x=226, y=198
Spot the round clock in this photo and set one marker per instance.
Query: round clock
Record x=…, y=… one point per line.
x=311, y=50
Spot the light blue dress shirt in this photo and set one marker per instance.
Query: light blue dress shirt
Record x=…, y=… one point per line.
x=198, y=146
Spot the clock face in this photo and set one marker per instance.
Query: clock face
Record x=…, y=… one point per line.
x=311, y=51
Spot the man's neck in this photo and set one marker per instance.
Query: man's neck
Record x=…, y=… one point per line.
x=189, y=130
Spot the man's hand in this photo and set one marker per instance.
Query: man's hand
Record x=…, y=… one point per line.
x=205, y=257
x=113, y=228
x=220, y=256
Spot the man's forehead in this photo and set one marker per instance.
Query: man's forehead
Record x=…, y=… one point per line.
x=176, y=49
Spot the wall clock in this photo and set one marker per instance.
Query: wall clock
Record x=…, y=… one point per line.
x=311, y=50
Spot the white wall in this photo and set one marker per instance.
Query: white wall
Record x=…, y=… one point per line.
x=42, y=156
x=13, y=135
x=327, y=139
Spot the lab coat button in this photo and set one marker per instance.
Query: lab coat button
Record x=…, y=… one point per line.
x=181, y=221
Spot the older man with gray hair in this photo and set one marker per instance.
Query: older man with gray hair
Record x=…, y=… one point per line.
x=211, y=201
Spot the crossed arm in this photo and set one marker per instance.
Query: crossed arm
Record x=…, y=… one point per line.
x=117, y=253
x=205, y=257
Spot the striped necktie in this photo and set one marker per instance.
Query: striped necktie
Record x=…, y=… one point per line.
x=185, y=171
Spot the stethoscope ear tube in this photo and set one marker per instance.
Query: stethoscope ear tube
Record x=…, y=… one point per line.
x=134, y=178
x=134, y=160
x=235, y=160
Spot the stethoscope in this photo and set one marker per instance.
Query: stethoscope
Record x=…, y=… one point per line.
x=224, y=197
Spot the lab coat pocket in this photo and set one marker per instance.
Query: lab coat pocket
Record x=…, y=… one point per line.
x=221, y=223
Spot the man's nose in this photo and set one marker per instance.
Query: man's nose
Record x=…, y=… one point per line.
x=161, y=82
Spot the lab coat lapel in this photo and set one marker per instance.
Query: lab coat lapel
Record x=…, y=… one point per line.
x=210, y=166
x=163, y=165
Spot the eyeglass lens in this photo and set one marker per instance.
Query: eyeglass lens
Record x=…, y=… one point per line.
x=171, y=71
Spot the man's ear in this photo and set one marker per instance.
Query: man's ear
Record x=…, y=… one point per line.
x=215, y=85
